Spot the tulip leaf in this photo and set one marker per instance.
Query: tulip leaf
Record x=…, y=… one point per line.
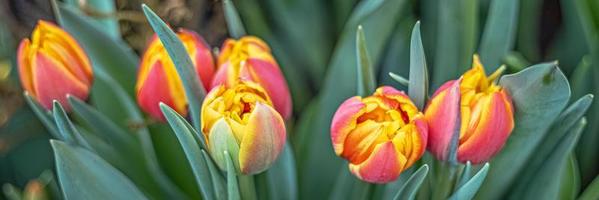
x=11, y=192
x=281, y=177
x=455, y=40
x=418, y=85
x=84, y=175
x=192, y=151
x=540, y=178
x=396, y=57
x=539, y=93
x=378, y=17
x=218, y=183
x=591, y=192
x=465, y=176
x=44, y=116
x=570, y=179
x=194, y=91
x=234, y=23
x=470, y=188
x=366, y=83
x=400, y=79
x=109, y=56
x=222, y=139
x=411, y=186
x=232, y=185
x=66, y=127
x=500, y=33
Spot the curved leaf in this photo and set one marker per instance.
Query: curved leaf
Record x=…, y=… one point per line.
x=470, y=188
x=500, y=33
x=409, y=189
x=234, y=23
x=232, y=185
x=366, y=82
x=418, y=84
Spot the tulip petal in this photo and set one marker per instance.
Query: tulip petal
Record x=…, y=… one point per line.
x=271, y=78
x=54, y=82
x=200, y=54
x=384, y=165
x=263, y=140
x=220, y=78
x=25, y=66
x=443, y=117
x=491, y=132
x=344, y=121
x=155, y=90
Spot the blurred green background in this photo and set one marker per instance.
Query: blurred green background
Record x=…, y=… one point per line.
x=306, y=36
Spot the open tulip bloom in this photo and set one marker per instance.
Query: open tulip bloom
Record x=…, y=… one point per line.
x=297, y=107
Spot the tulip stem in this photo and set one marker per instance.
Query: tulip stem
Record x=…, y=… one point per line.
x=247, y=188
x=444, y=179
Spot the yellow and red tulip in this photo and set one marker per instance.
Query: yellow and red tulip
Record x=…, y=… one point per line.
x=475, y=106
x=52, y=65
x=158, y=81
x=250, y=59
x=380, y=135
x=244, y=112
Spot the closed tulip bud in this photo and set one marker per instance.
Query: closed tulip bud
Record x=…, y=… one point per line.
x=52, y=65
x=380, y=135
x=158, y=81
x=475, y=106
x=250, y=59
x=242, y=121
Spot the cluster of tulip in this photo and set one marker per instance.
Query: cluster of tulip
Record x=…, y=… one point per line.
x=384, y=134
x=247, y=103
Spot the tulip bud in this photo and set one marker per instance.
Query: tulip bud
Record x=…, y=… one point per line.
x=250, y=59
x=475, y=106
x=158, y=81
x=241, y=120
x=380, y=135
x=53, y=65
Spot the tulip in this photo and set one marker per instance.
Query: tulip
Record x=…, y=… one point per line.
x=475, y=106
x=250, y=59
x=242, y=121
x=380, y=135
x=158, y=81
x=52, y=65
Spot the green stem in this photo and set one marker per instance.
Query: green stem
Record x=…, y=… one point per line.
x=247, y=187
x=444, y=180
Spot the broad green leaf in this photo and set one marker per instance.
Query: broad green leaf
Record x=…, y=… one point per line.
x=192, y=151
x=500, y=33
x=366, y=82
x=84, y=175
x=66, y=127
x=539, y=93
x=232, y=186
x=591, y=192
x=281, y=177
x=570, y=179
x=109, y=56
x=234, y=23
x=218, y=183
x=418, y=87
x=410, y=187
x=465, y=176
x=540, y=179
x=378, y=17
x=456, y=36
x=44, y=116
x=528, y=30
x=194, y=91
x=470, y=188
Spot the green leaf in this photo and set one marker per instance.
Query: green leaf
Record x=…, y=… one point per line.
x=232, y=186
x=570, y=179
x=217, y=180
x=500, y=33
x=66, y=127
x=366, y=82
x=234, y=23
x=221, y=140
x=84, y=175
x=378, y=17
x=192, y=151
x=409, y=189
x=592, y=191
x=418, y=85
x=539, y=93
x=470, y=188
x=281, y=177
x=465, y=176
x=44, y=116
x=400, y=79
x=540, y=179
x=396, y=56
x=109, y=56
x=456, y=36
x=194, y=91
x=11, y=192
